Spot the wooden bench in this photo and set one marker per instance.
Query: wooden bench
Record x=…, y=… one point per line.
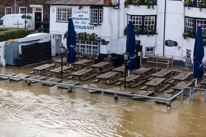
x=160, y=60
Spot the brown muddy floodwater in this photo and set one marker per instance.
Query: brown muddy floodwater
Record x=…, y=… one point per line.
x=42, y=111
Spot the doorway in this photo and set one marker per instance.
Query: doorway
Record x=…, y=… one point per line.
x=37, y=20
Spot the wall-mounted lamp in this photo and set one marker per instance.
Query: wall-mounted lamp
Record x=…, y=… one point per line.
x=80, y=7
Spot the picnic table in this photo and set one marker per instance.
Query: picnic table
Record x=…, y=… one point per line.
x=183, y=84
x=182, y=76
x=41, y=68
x=160, y=60
x=83, y=74
x=80, y=64
x=109, y=77
x=58, y=62
x=130, y=79
x=20, y=75
x=155, y=82
x=101, y=67
x=141, y=71
x=120, y=69
x=162, y=73
x=7, y=73
x=57, y=71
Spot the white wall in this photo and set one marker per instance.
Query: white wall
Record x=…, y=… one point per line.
x=115, y=20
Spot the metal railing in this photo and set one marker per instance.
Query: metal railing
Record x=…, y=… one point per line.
x=191, y=96
x=116, y=93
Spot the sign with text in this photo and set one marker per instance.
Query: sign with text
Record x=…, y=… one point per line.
x=81, y=20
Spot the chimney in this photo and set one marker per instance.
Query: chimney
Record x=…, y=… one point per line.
x=107, y=2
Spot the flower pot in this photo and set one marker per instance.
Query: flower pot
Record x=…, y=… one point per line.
x=107, y=2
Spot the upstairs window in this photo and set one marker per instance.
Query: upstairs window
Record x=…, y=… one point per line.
x=96, y=15
x=191, y=25
x=143, y=22
x=8, y=10
x=22, y=10
x=63, y=14
x=1, y=22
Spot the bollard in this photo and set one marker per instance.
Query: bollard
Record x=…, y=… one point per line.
x=115, y=96
x=28, y=82
x=70, y=89
x=168, y=104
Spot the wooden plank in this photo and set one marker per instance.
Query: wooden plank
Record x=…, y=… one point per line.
x=137, y=84
x=141, y=71
x=21, y=75
x=147, y=77
x=170, y=91
x=119, y=69
x=100, y=64
x=166, y=81
x=203, y=82
x=161, y=73
x=43, y=67
x=81, y=72
x=107, y=69
x=130, y=78
x=163, y=88
x=107, y=75
x=144, y=93
x=92, y=86
x=70, y=82
x=183, y=84
x=59, y=60
x=7, y=73
x=171, y=82
x=37, y=77
x=182, y=76
x=57, y=80
x=58, y=70
x=155, y=82
x=165, y=96
x=82, y=62
x=112, y=82
x=118, y=84
x=91, y=76
x=144, y=88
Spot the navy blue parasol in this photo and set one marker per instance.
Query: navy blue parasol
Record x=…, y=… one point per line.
x=198, y=54
x=71, y=42
x=131, y=47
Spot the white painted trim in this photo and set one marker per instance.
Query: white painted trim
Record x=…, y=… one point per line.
x=22, y=7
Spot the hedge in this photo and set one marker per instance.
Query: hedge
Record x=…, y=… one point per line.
x=13, y=34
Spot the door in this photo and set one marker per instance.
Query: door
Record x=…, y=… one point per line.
x=138, y=55
x=37, y=20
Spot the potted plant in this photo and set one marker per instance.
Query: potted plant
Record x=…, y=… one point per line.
x=136, y=30
x=91, y=37
x=149, y=31
x=150, y=3
x=202, y=4
x=28, y=16
x=187, y=33
x=125, y=30
x=83, y=36
x=136, y=2
x=126, y=2
x=23, y=16
x=204, y=37
x=188, y=3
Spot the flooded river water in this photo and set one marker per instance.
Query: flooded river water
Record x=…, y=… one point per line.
x=42, y=111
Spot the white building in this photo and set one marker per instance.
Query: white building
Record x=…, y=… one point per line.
x=109, y=20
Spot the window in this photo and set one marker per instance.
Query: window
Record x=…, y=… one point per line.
x=149, y=51
x=87, y=47
x=96, y=15
x=1, y=22
x=8, y=10
x=143, y=22
x=192, y=24
x=195, y=3
x=63, y=14
x=22, y=10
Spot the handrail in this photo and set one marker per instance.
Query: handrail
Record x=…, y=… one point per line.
x=116, y=93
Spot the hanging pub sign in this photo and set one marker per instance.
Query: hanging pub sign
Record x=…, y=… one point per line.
x=171, y=43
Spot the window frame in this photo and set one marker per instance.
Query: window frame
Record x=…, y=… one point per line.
x=20, y=10
x=100, y=15
x=62, y=14
x=194, y=27
x=85, y=46
x=194, y=3
x=142, y=29
x=8, y=8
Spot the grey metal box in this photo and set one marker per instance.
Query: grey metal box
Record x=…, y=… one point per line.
x=11, y=52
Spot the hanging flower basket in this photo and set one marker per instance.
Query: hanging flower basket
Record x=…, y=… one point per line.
x=28, y=17
x=23, y=16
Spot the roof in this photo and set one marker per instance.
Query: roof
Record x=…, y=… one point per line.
x=76, y=2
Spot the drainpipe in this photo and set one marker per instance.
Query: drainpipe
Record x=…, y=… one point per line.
x=15, y=6
x=164, y=28
x=25, y=12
